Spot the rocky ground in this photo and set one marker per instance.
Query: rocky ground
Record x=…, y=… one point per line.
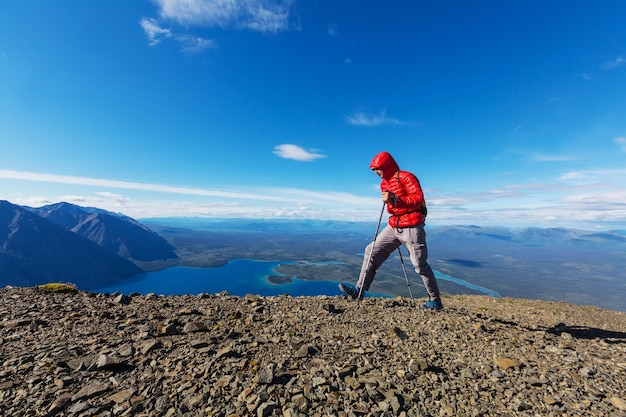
x=88, y=354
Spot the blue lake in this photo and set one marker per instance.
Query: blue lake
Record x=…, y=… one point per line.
x=487, y=291
x=238, y=277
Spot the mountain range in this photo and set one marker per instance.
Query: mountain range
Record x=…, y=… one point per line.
x=117, y=233
x=94, y=248
x=66, y=243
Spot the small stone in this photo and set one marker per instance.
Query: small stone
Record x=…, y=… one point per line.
x=198, y=343
x=353, y=382
x=329, y=307
x=78, y=407
x=479, y=327
x=86, y=362
x=59, y=403
x=317, y=381
x=301, y=403
x=400, y=334
x=193, y=401
x=149, y=346
x=549, y=400
x=90, y=390
x=302, y=352
x=418, y=365
x=126, y=350
x=251, y=298
x=536, y=382
x=122, y=396
x=122, y=299
x=265, y=409
x=505, y=363
x=225, y=352
x=169, y=329
x=290, y=412
x=6, y=385
x=109, y=361
x=194, y=327
x=618, y=403
x=266, y=375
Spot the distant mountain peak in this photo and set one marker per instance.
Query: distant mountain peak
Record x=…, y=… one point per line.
x=34, y=250
x=117, y=233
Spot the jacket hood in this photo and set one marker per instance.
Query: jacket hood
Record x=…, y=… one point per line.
x=385, y=162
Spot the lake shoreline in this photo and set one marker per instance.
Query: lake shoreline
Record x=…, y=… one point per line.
x=240, y=277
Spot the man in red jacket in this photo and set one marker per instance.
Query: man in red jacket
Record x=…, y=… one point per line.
x=402, y=193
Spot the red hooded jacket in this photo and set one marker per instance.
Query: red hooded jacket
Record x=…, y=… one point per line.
x=410, y=207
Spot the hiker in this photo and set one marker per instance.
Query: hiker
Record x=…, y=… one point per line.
x=404, y=199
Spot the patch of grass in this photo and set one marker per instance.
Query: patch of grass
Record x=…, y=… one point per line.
x=590, y=308
x=58, y=288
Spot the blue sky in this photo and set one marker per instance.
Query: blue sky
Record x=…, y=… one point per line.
x=510, y=113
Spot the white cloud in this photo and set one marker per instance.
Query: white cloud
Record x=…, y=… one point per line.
x=189, y=44
x=596, y=175
x=154, y=32
x=295, y=152
x=599, y=200
x=621, y=142
x=362, y=119
x=267, y=16
x=145, y=200
x=270, y=16
x=615, y=63
x=579, y=199
x=552, y=158
x=575, y=176
x=65, y=179
x=274, y=195
x=195, y=44
x=575, y=205
x=333, y=29
x=120, y=199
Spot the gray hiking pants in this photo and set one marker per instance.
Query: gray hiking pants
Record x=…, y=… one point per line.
x=414, y=239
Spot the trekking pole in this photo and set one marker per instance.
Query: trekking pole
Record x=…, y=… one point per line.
x=408, y=284
x=369, y=263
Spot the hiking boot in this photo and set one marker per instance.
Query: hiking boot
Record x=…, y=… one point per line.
x=350, y=290
x=432, y=305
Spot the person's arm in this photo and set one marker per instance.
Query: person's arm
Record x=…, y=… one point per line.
x=413, y=197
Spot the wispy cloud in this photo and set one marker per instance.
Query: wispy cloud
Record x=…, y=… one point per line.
x=106, y=183
x=120, y=199
x=270, y=16
x=266, y=16
x=297, y=153
x=155, y=201
x=595, y=175
x=576, y=176
x=552, y=158
x=278, y=195
x=621, y=142
x=615, y=63
x=189, y=44
x=154, y=31
x=195, y=44
x=363, y=119
x=577, y=199
x=333, y=29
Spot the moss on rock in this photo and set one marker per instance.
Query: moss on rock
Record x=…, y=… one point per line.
x=58, y=288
